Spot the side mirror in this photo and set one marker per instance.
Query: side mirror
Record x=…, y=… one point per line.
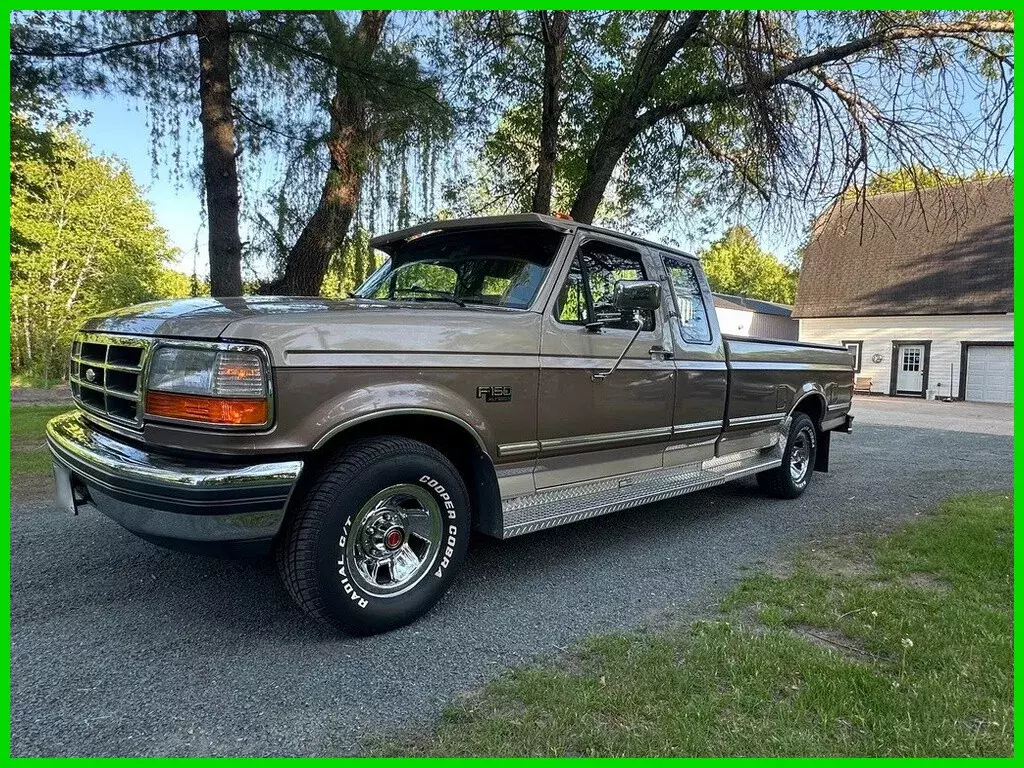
x=637, y=294
x=644, y=295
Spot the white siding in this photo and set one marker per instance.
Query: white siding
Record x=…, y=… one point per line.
x=734, y=322
x=945, y=332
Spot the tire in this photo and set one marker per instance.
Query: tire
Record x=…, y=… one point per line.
x=792, y=478
x=378, y=537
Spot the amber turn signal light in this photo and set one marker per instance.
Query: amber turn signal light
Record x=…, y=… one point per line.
x=208, y=410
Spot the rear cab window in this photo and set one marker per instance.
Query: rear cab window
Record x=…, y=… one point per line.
x=691, y=311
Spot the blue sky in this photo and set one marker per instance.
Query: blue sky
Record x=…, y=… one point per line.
x=118, y=127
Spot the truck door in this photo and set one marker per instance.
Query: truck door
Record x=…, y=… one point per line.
x=591, y=428
x=702, y=376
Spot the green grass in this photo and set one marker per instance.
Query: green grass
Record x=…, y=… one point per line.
x=897, y=645
x=29, y=455
x=35, y=381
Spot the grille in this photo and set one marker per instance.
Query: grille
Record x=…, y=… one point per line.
x=106, y=375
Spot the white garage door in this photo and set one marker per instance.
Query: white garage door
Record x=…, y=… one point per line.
x=990, y=374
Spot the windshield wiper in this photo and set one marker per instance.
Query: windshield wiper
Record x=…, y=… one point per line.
x=439, y=294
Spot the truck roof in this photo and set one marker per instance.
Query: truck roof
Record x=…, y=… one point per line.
x=515, y=219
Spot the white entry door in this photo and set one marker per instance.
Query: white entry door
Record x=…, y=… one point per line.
x=910, y=369
x=990, y=374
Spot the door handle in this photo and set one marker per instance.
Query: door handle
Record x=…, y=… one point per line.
x=659, y=351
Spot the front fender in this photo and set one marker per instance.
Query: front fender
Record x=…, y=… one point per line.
x=371, y=399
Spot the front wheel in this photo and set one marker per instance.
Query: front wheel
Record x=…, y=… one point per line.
x=378, y=537
x=791, y=479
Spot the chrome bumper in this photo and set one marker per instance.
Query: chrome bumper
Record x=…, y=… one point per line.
x=208, y=506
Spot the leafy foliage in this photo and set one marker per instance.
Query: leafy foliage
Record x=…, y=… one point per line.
x=84, y=241
x=351, y=266
x=287, y=68
x=915, y=177
x=736, y=264
x=666, y=118
x=673, y=116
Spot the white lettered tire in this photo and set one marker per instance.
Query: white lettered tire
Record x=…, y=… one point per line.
x=378, y=537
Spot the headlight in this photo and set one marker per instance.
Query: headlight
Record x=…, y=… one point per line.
x=208, y=384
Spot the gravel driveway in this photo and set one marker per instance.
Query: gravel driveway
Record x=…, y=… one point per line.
x=120, y=648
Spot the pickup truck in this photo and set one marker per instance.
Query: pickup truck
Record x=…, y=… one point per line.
x=498, y=374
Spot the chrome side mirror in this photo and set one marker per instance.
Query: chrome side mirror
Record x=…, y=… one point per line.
x=637, y=294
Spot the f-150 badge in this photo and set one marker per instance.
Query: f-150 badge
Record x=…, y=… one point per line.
x=494, y=394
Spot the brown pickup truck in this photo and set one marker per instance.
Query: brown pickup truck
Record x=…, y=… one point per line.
x=502, y=374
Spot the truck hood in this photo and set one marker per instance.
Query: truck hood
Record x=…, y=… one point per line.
x=201, y=318
x=296, y=329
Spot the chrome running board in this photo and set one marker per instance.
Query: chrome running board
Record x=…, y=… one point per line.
x=580, y=501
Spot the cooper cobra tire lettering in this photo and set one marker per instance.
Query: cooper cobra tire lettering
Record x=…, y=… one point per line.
x=449, y=506
x=435, y=486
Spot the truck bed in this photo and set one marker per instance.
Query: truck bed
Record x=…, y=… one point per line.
x=767, y=375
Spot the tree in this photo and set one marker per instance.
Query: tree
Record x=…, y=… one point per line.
x=916, y=177
x=667, y=115
x=505, y=73
x=553, y=30
x=349, y=142
x=351, y=266
x=150, y=53
x=737, y=265
x=83, y=241
x=327, y=96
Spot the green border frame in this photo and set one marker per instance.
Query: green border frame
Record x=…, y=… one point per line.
x=453, y=4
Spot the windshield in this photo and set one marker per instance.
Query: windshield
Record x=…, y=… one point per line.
x=495, y=267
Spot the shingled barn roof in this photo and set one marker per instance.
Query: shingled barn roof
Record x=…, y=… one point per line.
x=941, y=251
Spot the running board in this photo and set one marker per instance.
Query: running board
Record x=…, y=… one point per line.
x=569, y=504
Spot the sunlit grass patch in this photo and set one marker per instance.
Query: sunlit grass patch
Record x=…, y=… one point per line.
x=29, y=455
x=895, y=645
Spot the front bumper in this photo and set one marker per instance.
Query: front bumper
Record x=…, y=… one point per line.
x=197, y=505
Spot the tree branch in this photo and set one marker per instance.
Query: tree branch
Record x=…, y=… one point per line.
x=41, y=52
x=762, y=81
x=723, y=157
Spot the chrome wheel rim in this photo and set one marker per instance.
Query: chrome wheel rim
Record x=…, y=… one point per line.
x=393, y=540
x=800, y=455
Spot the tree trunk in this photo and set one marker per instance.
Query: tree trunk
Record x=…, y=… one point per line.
x=348, y=145
x=220, y=170
x=622, y=125
x=553, y=30
x=612, y=143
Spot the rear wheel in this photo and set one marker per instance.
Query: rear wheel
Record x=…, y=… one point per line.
x=379, y=536
x=792, y=478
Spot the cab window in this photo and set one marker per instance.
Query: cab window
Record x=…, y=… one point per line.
x=690, y=308
x=588, y=293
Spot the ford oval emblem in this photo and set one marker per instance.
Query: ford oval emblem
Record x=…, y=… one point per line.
x=90, y=374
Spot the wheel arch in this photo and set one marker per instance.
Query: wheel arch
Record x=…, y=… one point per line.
x=812, y=403
x=448, y=434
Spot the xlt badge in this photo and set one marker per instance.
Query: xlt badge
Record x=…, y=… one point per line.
x=494, y=394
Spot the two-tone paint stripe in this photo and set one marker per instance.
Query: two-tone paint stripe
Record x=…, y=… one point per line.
x=606, y=438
